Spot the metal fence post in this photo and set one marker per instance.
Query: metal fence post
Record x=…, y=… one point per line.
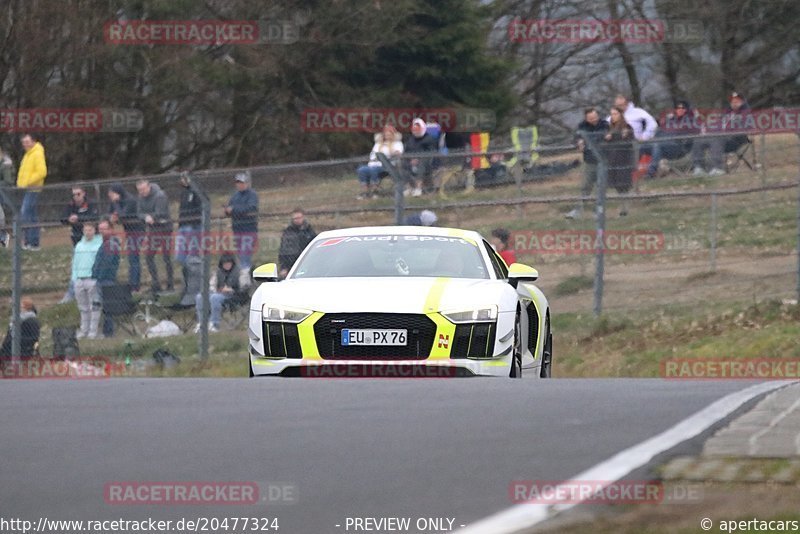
x=397, y=176
x=798, y=237
x=16, y=277
x=205, y=271
x=713, y=232
x=600, y=217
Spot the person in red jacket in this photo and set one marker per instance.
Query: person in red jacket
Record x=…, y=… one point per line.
x=500, y=237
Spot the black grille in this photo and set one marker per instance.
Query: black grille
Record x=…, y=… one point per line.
x=281, y=340
x=474, y=341
x=533, y=327
x=421, y=332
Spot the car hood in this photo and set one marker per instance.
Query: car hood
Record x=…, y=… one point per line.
x=395, y=295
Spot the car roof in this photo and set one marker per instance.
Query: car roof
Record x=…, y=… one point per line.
x=403, y=230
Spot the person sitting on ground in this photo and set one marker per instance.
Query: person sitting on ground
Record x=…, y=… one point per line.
x=419, y=168
x=29, y=332
x=594, y=128
x=620, y=155
x=223, y=285
x=500, y=238
x=389, y=143
x=423, y=218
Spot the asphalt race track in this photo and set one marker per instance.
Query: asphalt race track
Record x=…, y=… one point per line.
x=432, y=448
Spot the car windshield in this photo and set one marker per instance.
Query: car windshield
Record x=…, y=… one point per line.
x=392, y=255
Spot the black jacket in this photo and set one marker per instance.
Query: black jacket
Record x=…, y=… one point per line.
x=29, y=330
x=426, y=143
x=86, y=212
x=293, y=241
x=224, y=278
x=125, y=209
x=191, y=208
x=106, y=263
x=595, y=133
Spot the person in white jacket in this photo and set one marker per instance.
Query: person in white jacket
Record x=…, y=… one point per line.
x=643, y=124
x=388, y=142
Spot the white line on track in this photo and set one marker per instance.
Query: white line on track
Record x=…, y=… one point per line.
x=524, y=516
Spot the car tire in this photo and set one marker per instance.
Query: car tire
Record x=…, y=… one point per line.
x=547, y=352
x=250, y=367
x=516, y=350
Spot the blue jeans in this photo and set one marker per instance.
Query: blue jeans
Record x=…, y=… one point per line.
x=245, y=243
x=216, y=300
x=29, y=215
x=369, y=175
x=187, y=243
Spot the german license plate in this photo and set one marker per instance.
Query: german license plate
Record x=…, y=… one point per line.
x=388, y=337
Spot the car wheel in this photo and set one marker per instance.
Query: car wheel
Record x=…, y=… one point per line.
x=547, y=353
x=516, y=351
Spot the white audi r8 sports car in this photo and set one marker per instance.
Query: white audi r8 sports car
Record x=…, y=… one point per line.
x=414, y=301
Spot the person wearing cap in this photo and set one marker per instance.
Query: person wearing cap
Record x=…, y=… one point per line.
x=122, y=210
x=683, y=120
x=294, y=239
x=29, y=332
x=737, y=107
x=223, y=285
x=242, y=208
x=423, y=218
x=152, y=208
x=419, y=167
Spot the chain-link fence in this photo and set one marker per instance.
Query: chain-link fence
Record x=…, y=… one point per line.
x=678, y=238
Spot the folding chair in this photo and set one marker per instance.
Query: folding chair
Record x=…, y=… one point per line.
x=118, y=303
x=236, y=310
x=743, y=153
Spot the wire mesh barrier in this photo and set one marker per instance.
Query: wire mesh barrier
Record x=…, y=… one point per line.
x=172, y=257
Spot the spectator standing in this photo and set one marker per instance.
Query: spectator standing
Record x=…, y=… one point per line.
x=620, y=155
x=83, y=259
x=152, y=208
x=500, y=238
x=294, y=240
x=420, y=167
x=644, y=128
x=242, y=208
x=224, y=285
x=389, y=143
x=29, y=332
x=6, y=180
x=594, y=128
x=122, y=210
x=78, y=211
x=105, y=268
x=31, y=175
x=190, y=212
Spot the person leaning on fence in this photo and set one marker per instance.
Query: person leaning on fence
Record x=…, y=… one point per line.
x=152, y=208
x=83, y=259
x=500, y=239
x=594, y=128
x=29, y=332
x=31, y=175
x=122, y=210
x=242, y=208
x=6, y=181
x=419, y=168
x=389, y=142
x=105, y=268
x=224, y=285
x=619, y=154
x=294, y=239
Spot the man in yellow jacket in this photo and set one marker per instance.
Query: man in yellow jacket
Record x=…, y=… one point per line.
x=31, y=175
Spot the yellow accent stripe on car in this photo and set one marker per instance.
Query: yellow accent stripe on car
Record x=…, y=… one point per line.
x=444, y=338
x=308, y=343
x=454, y=232
x=435, y=295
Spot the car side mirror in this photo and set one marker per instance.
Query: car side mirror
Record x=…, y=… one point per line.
x=519, y=272
x=266, y=273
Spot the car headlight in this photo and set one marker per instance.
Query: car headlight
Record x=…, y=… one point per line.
x=478, y=315
x=283, y=314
